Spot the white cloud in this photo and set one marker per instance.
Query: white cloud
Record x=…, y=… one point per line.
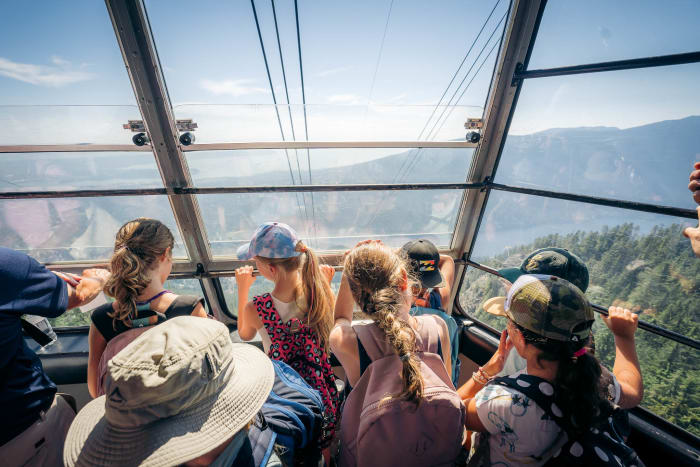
x=235, y=88
x=344, y=99
x=41, y=75
x=333, y=71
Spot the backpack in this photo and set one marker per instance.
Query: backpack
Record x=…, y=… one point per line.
x=381, y=430
x=602, y=445
x=289, y=422
x=298, y=345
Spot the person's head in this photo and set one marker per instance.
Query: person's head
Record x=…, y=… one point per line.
x=554, y=262
x=178, y=392
x=142, y=254
x=424, y=259
x=381, y=286
x=279, y=254
x=549, y=320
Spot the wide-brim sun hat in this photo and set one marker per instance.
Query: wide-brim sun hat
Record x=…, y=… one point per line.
x=216, y=391
x=546, y=305
x=271, y=240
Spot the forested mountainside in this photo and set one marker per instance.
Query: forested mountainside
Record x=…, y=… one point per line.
x=654, y=274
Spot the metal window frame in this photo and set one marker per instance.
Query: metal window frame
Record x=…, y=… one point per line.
x=135, y=38
x=519, y=39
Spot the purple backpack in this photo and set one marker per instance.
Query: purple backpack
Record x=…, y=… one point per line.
x=377, y=430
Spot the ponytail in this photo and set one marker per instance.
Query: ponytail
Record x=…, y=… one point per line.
x=314, y=294
x=577, y=380
x=375, y=275
x=319, y=297
x=138, y=245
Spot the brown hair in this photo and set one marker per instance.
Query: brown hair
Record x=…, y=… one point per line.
x=138, y=245
x=375, y=274
x=315, y=295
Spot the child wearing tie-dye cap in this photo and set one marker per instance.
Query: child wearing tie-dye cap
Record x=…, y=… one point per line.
x=295, y=319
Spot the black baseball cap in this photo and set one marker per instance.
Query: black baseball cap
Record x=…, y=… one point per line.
x=553, y=261
x=425, y=258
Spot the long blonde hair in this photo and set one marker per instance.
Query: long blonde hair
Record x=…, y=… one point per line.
x=314, y=295
x=376, y=274
x=138, y=245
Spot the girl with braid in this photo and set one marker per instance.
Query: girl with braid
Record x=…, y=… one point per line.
x=140, y=265
x=376, y=278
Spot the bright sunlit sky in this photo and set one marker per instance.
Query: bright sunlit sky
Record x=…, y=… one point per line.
x=66, y=53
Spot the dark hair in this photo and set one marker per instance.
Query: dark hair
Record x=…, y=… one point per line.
x=576, y=383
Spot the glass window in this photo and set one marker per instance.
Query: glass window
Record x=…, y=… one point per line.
x=669, y=370
x=329, y=166
x=573, y=33
x=637, y=260
x=260, y=286
x=358, y=83
x=631, y=135
x=333, y=220
x=77, y=229
x=477, y=287
x=221, y=123
x=64, y=171
x=63, y=81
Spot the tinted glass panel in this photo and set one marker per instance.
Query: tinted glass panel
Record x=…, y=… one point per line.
x=329, y=166
x=630, y=135
x=357, y=80
x=78, y=171
x=333, y=221
x=572, y=33
x=477, y=287
x=63, y=80
x=638, y=260
x=221, y=123
x=260, y=286
x=77, y=229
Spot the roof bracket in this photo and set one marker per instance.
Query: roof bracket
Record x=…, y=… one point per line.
x=517, y=76
x=199, y=272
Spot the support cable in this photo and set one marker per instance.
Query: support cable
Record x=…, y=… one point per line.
x=306, y=125
x=289, y=108
x=272, y=90
x=379, y=57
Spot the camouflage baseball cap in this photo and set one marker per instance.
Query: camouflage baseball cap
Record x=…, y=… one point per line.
x=271, y=240
x=546, y=305
x=555, y=261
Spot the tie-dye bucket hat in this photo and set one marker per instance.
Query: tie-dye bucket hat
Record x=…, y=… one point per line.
x=271, y=240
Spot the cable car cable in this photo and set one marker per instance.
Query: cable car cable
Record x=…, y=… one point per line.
x=306, y=125
x=379, y=58
x=274, y=98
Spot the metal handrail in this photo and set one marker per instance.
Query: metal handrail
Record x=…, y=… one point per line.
x=652, y=328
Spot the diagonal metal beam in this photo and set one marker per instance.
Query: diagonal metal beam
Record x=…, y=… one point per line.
x=519, y=38
x=135, y=39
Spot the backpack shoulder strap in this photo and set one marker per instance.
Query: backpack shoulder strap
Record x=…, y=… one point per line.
x=266, y=310
x=183, y=305
x=372, y=340
x=539, y=390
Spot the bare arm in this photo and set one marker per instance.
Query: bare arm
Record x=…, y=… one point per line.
x=491, y=368
x=248, y=322
x=344, y=303
x=97, y=347
x=623, y=324
x=447, y=269
x=200, y=311
x=84, y=289
x=343, y=343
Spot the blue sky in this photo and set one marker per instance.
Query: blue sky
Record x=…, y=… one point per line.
x=57, y=53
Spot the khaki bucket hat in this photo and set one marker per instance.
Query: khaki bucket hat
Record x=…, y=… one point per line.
x=175, y=393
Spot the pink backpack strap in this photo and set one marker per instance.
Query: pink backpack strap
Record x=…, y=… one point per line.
x=267, y=312
x=428, y=335
x=373, y=340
